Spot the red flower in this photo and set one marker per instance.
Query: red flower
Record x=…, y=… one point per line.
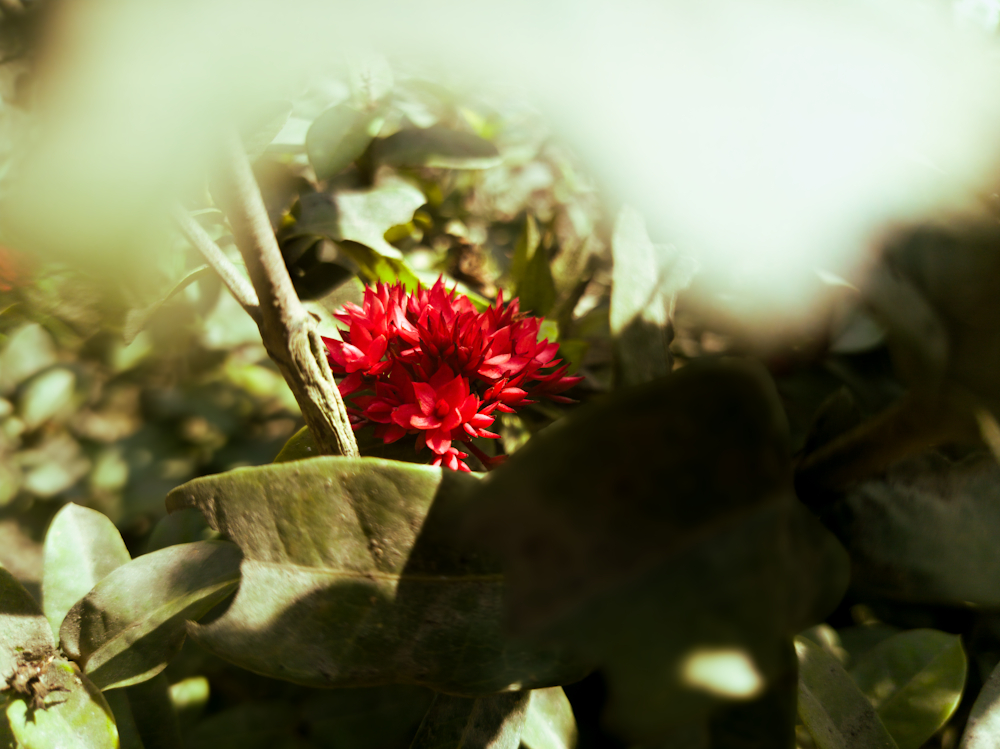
x=439, y=369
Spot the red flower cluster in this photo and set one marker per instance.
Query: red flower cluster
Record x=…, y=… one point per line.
x=439, y=369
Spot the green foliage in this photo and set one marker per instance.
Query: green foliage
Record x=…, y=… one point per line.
x=832, y=707
x=120, y=637
x=374, y=577
x=492, y=721
x=915, y=681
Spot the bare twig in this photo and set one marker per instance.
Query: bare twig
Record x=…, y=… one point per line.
x=287, y=329
x=238, y=286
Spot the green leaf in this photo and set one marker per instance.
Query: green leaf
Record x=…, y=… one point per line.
x=370, y=718
x=550, y=723
x=137, y=319
x=252, y=725
x=657, y=533
x=982, y=731
x=337, y=138
x=436, y=146
x=858, y=640
x=154, y=714
x=360, y=558
x=262, y=128
x=183, y=527
x=81, y=547
x=74, y=716
x=23, y=629
x=128, y=733
x=925, y=531
x=832, y=707
x=525, y=249
x=915, y=681
x=377, y=268
x=491, y=722
x=537, y=290
x=28, y=350
x=645, y=283
x=132, y=623
x=362, y=216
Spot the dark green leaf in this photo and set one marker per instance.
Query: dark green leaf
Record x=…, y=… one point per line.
x=537, y=290
x=491, y=722
x=23, y=629
x=983, y=729
x=436, y=146
x=657, y=532
x=360, y=559
x=370, y=718
x=128, y=733
x=858, y=640
x=184, y=527
x=526, y=246
x=362, y=216
x=915, y=681
x=925, y=531
x=262, y=128
x=336, y=138
x=378, y=268
x=302, y=445
x=81, y=547
x=132, y=623
x=832, y=707
x=154, y=713
x=550, y=723
x=73, y=715
x=646, y=281
x=252, y=725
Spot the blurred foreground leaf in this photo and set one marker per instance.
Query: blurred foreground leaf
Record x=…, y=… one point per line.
x=656, y=532
x=132, y=623
x=360, y=559
x=915, y=681
x=336, y=138
x=983, y=728
x=550, y=723
x=81, y=547
x=491, y=722
x=832, y=707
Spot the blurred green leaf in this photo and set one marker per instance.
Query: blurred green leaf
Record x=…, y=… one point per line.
x=861, y=638
x=703, y=551
x=491, y=722
x=524, y=250
x=136, y=319
x=646, y=282
x=832, y=707
x=374, y=577
x=337, y=138
x=153, y=712
x=925, y=531
x=915, y=681
x=184, y=527
x=128, y=733
x=28, y=350
x=362, y=216
x=75, y=714
x=537, y=290
x=436, y=146
x=132, y=623
x=550, y=723
x=46, y=396
x=252, y=725
x=81, y=547
x=263, y=126
x=377, y=268
x=982, y=731
x=189, y=698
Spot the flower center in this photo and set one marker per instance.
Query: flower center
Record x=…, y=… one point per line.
x=441, y=408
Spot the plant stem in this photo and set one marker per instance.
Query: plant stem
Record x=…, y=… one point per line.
x=287, y=329
x=238, y=286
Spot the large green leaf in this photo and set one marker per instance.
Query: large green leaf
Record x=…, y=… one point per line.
x=23, y=628
x=81, y=547
x=336, y=138
x=74, y=715
x=983, y=728
x=436, y=146
x=361, y=216
x=646, y=280
x=550, y=723
x=262, y=127
x=153, y=712
x=360, y=559
x=832, y=707
x=915, y=681
x=493, y=721
x=925, y=531
x=131, y=624
x=657, y=533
